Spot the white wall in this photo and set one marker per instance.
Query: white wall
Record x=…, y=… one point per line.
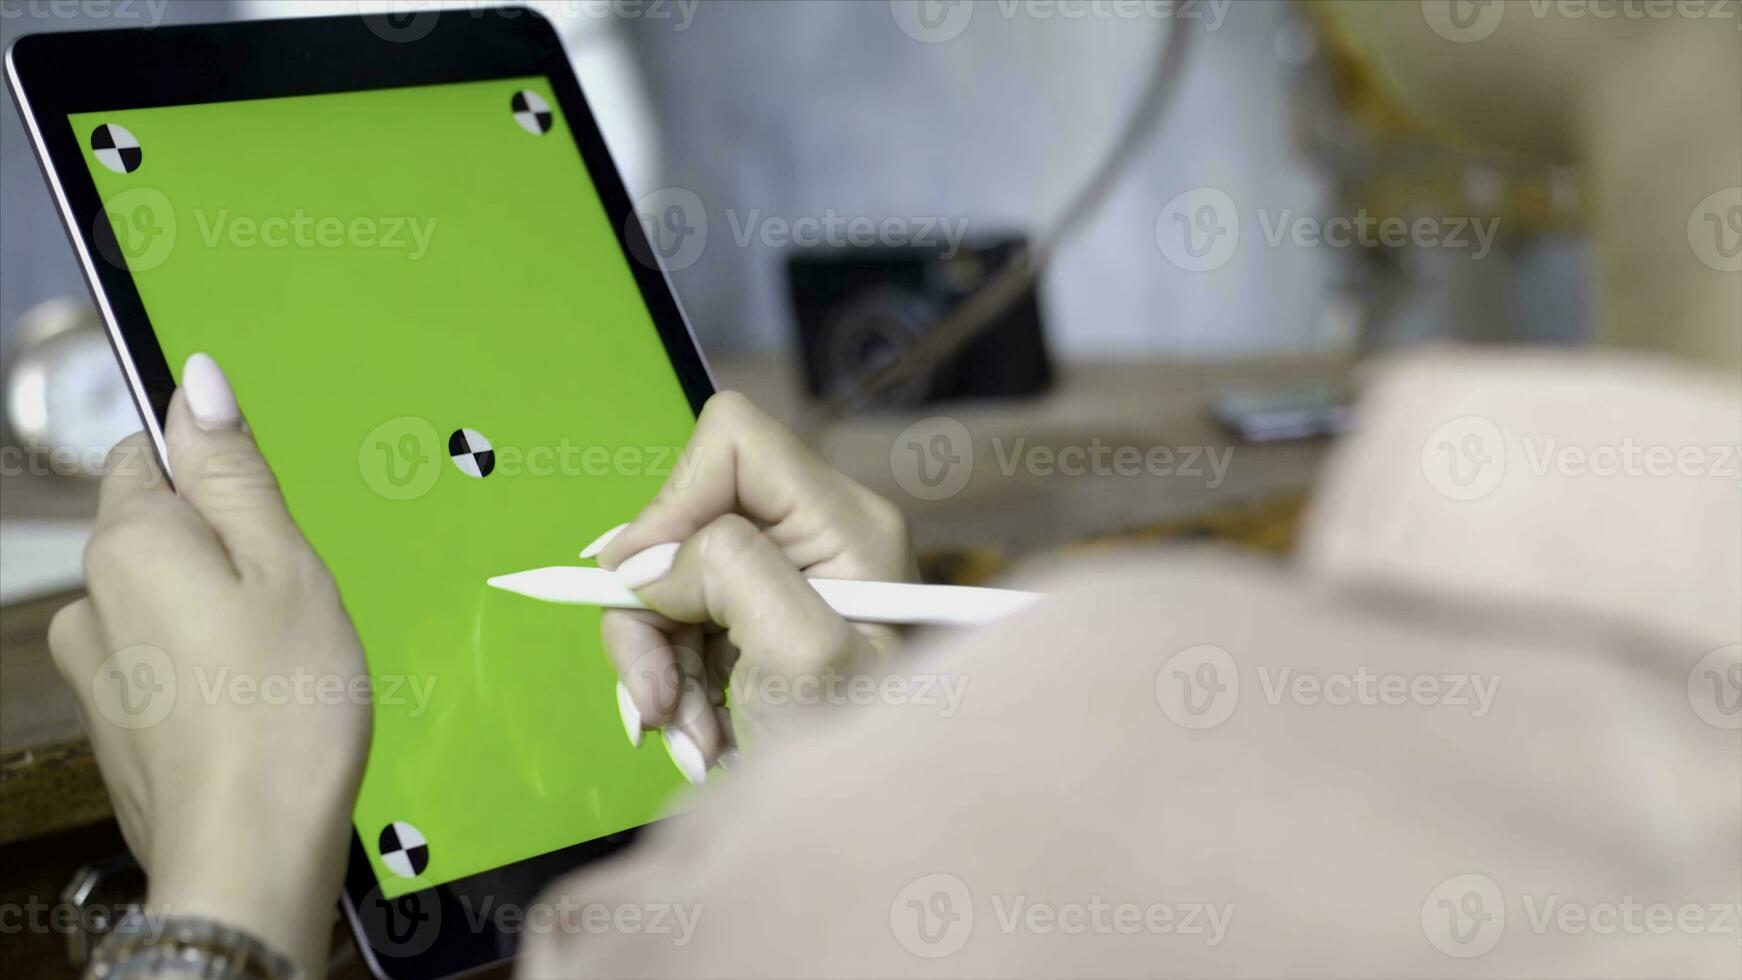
x=798, y=108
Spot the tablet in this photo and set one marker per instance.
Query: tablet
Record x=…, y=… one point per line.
x=407, y=245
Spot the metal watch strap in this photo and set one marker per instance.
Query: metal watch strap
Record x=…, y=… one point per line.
x=142, y=947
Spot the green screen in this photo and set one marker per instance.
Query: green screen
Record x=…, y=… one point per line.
x=376, y=271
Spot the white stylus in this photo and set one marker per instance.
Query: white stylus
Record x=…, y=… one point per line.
x=860, y=602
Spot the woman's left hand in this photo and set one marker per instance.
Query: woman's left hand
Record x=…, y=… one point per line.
x=220, y=681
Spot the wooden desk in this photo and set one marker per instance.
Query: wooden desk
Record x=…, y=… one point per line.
x=1141, y=405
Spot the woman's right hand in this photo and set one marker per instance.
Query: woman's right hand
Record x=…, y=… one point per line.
x=720, y=558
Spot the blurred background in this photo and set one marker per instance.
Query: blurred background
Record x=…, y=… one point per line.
x=960, y=132
x=1194, y=222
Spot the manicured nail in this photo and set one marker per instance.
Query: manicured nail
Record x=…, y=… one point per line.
x=209, y=398
x=649, y=566
x=631, y=715
x=601, y=541
x=686, y=755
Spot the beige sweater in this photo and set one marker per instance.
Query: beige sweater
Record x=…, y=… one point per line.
x=1487, y=726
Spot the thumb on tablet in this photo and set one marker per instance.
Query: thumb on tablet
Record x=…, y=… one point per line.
x=219, y=470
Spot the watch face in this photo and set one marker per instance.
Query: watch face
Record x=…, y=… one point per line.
x=89, y=409
x=66, y=396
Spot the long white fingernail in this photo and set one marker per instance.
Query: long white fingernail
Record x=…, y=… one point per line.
x=647, y=567
x=686, y=755
x=631, y=715
x=601, y=541
x=209, y=398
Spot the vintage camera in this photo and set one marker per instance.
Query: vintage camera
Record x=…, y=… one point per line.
x=857, y=308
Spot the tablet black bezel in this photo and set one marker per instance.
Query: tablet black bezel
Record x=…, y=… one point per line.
x=55, y=75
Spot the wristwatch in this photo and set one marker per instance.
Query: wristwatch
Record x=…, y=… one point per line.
x=144, y=946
